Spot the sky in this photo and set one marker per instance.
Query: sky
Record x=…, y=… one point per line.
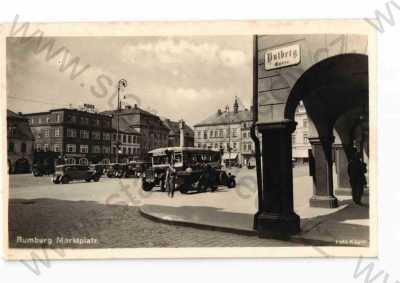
x=175, y=77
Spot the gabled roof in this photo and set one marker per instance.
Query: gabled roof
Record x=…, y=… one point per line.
x=173, y=126
x=22, y=130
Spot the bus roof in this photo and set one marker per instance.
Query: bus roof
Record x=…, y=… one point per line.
x=163, y=150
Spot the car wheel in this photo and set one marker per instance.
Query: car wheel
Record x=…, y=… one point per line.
x=147, y=186
x=96, y=179
x=231, y=183
x=56, y=180
x=64, y=179
x=87, y=180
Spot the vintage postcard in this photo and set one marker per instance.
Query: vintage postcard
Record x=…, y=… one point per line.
x=189, y=139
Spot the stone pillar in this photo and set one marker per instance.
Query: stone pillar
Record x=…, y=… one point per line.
x=276, y=217
x=181, y=133
x=322, y=173
x=341, y=165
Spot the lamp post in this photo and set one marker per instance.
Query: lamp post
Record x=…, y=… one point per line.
x=229, y=136
x=121, y=83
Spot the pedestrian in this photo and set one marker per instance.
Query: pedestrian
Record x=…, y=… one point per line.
x=170, y=176
x=356, y=171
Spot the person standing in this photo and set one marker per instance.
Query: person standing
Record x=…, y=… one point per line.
x=356, y=171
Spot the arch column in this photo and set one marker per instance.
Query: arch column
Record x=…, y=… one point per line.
x=322, y=173
x=341, y=165
x=276, y=217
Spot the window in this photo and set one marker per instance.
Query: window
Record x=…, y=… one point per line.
x=205, y=134
x=96, y=135
x=46, y=133
x=244, y=135
x=11, y=147
x=46, y=147
x=234, y=133
x=48, y=119
x=85, y=120
x=305, y=137
x=234, y=145
x=106, y=149
x=12, y=130
x=57, y=132
x=33, y=121
x=71, y=133
x=58, y=118
x=114, y=137
x=124, y=138
x=84, y=148
x=38, y=147
x=71, y=161
x=83, y=161
x=84, y=134
x=73, y=119
x=57, y=148
x=71, y=147
x=40, y=120
x=293, y=139
x=106, y=136
x=221, y=133
x=96, y=149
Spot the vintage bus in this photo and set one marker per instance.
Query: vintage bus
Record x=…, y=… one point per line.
x=196, y=169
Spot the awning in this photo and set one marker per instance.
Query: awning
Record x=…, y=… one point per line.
x=227, y=156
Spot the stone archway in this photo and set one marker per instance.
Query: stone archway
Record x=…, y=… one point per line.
x=329, y=89
x=334, y=89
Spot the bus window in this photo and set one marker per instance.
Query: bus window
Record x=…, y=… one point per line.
x=178, y=157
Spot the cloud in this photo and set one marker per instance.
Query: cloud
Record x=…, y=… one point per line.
x=169, y=51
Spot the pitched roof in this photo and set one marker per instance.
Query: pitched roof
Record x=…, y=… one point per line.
x=173, y=126
x=224, y=118
x=23, y=131
x=123, y=126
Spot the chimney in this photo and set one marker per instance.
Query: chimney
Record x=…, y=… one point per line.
x=219, y=112
x=135, y=106
x=182, y=133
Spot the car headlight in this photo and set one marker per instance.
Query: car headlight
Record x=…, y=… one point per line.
x=189, y=170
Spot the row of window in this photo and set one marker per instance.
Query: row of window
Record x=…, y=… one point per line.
x=127, y=139
x=72, y=148
x=234, y=145
x=57, y=118
x=305, y=138
x=12, y=149
x=219, y=133
x=127, y=150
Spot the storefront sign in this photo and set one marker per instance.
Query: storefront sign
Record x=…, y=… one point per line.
x=282, y=57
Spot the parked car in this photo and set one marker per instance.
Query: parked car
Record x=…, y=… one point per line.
x=196, y=169
x=66, y=173
x=40, y=169
x=140, y=167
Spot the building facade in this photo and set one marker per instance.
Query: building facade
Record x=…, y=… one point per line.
x=300, y=143
x=228, y=131
x=174, y=135
x=153, y=132
x=80, y=136
x=125, y=141
x=20, y=143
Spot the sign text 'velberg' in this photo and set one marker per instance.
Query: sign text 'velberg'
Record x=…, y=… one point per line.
x=282, y=57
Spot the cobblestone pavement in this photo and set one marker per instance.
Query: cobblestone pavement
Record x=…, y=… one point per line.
x=108, y=226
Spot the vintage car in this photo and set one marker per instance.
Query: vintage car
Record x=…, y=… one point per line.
x=66, y=173
x=196, y=169
x=40, y=169
x=121, y=170
x=140, y=167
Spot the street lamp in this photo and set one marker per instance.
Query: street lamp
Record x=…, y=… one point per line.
x=122, y=83
x=229, y=136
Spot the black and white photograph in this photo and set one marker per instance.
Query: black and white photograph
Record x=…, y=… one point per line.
x=150, y=142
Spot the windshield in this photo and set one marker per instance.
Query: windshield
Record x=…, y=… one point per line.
x=160, y=160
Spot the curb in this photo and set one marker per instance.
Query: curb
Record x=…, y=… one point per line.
x=197, y=225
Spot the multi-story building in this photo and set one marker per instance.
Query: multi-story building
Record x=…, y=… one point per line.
x=20, y=143
x=300, y=143
x=79, y=136
x=228, y=131
x=128, y=141
x=153, y=132
x=174, y=136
